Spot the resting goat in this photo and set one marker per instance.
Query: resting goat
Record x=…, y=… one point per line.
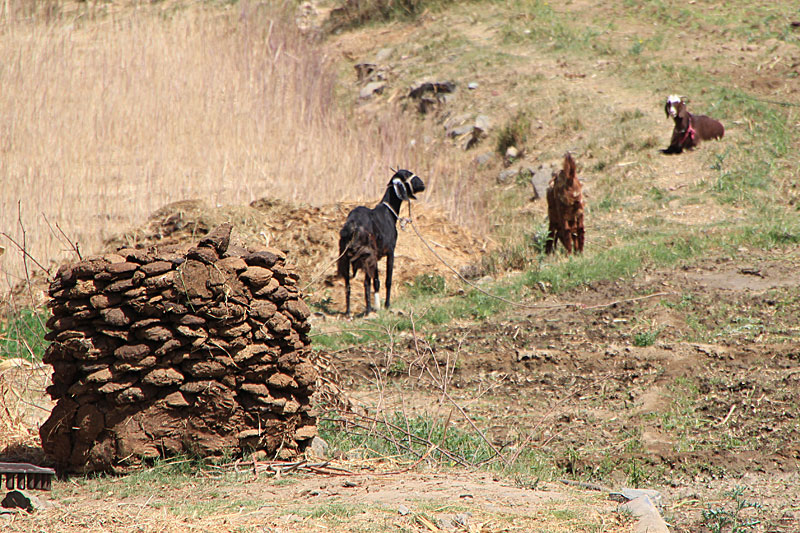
x=689, y=129
x=565, y=209
x=371, y=234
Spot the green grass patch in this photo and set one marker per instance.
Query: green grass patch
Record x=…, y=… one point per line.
x=22, y=335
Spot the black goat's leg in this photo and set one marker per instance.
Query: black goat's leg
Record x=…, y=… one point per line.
x=389, y=269
x=367, y=293
x=376, y=284
x=347, y=293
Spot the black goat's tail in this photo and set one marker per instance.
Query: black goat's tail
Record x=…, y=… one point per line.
x=347, y=237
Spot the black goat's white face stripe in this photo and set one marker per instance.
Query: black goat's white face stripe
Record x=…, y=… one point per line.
x=400, y=188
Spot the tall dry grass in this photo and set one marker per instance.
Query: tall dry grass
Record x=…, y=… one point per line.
x=106, y=116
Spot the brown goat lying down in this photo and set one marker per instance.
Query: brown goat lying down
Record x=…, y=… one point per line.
x=689, y=129
x=565, y=209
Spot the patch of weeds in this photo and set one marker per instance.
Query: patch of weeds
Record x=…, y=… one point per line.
x=514, y=133
x=22, y=335
x=323, y=306
x=426, y=285
x=637, y=474
x=609, y=202
x=737, y=515
x=636, y=48
x=628, y=115
x=407, y=436
x=517, y=255
x=646, y=338
x=355, y=13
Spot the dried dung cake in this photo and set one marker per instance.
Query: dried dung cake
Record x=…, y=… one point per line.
x=166, y=351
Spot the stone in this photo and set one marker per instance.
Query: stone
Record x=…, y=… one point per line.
x=319, y=447
x=461, y=130
x=512, y=153
x=21, y=499
x=420, y=88
x=403, y=510
x=483, y=158
x=507, y=175
x=483, y=124
x=649, y=519
x=155, y=333
x=371, y=89
x=626, y=495
x=540, y=180
x=383, y=55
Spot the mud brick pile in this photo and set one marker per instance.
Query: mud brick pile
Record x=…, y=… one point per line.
x=169, y=351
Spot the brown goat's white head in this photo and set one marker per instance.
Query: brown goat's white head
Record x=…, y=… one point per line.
x=673, y=105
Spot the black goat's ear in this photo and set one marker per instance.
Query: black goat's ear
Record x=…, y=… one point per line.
x=400, y=189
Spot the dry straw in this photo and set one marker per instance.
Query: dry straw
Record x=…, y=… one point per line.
x=107, y=114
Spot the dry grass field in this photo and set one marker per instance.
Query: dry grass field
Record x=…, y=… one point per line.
x=665, y=357
x=109, y=112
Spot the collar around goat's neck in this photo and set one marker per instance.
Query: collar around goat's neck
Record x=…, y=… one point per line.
x=396, y=216
x=690, y=131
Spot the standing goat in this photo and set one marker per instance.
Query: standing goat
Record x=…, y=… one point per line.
x=689, y=129
x=565, y=209
x=371, y=234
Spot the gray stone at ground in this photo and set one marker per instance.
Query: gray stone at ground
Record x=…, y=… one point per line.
x=626, y=495
x=507, y=175
x=649, y=519
x=20, y=499
x=540, y=180
x=319, y=447
x=383, y=54
x=375, y=87
x=484, y=158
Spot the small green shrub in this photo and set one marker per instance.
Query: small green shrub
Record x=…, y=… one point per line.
x=515, y=133
x=645, y=338
x=728, y=518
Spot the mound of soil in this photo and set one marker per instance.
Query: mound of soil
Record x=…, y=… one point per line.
x=309, y=236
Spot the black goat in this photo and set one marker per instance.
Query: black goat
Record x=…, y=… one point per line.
x=371, y=234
